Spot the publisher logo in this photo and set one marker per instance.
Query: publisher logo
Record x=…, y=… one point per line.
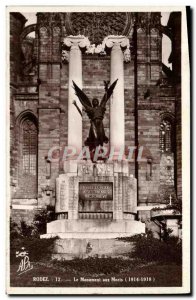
x=25, y=264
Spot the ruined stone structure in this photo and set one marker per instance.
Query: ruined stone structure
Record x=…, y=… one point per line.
x=146, y=107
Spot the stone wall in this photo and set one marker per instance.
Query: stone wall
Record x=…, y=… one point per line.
x=22, y=103
x=49, y=108
x=153, y=100
x=26, y=215
x=148, y=95
x=17, y=22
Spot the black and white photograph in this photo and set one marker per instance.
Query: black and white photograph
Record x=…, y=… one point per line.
x=98, y=150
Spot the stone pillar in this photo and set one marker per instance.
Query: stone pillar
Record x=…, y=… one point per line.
x=117, y=122
x=75, y=74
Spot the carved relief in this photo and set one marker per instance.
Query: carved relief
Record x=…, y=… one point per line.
x=104, y=169
x=108, y=42
x=71, y=42
x=123, y=42
x=62, y=195
x=145, y=21
x=85, y=169
x=97, y=25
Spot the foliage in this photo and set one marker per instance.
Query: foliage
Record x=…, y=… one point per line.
x=38, y=249
x=25, y=229
x=14, y=230
x=41, y=219
x=36, y=228
x=95, y=265
x=165, y=233
x=28, y=236
x=150, y=249
x=178, y=207
x=21, y=230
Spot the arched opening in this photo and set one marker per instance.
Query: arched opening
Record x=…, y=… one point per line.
x=27, y=156
x=167, y=157
x=166, y=136
x=29, y=147
x=28, y=46
x=166, y=50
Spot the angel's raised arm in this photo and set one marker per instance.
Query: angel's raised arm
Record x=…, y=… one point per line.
x=108, y=94
x=82, y=96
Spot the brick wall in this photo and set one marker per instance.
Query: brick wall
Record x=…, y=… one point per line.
x=49, y=103
x=178, y=147
x=26, y=215
x=94, y=72
x=21, y=185
x=148, y=136
x=17, y=22
x=153, y=100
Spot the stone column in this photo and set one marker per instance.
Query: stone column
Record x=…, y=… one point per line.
x=117, y=119
x=75, y=43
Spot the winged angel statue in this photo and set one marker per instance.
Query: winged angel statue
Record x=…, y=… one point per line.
x=95, y=112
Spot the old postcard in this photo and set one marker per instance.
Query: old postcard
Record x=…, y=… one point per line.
x=99, y=164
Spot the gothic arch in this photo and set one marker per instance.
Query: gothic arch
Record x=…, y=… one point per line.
x=167, y=115
x=28, y=30
x=26, y=133
x=167, y=131
x=26, y=114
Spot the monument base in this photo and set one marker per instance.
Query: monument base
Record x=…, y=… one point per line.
x=98, y=238
x=84, y=247
x=95, y=204
x=102, y=229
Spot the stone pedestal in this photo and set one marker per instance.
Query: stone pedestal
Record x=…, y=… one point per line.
x=83, y=247
x=94, y=201
x=93, y=228
x=111, y=180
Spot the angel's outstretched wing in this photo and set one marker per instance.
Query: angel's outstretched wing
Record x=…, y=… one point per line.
x=81, y=96
x=108, y=93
